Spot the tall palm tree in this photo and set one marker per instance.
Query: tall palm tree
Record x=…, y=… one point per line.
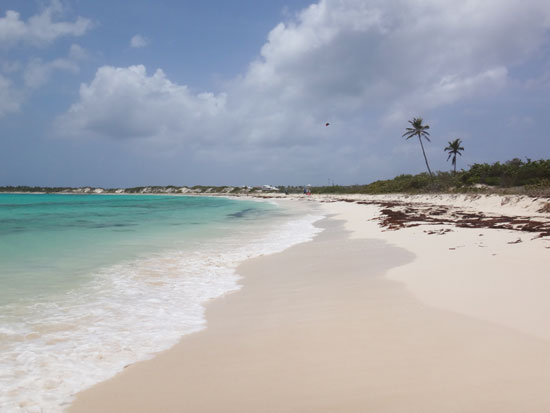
x=420, y=130
x=454, y=149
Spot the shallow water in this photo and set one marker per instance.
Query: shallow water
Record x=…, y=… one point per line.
x=91, y=283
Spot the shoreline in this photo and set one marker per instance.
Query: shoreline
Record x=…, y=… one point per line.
x=288, y=339
x=130, y=309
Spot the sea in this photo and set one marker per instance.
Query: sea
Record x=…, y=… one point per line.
x=92, y=283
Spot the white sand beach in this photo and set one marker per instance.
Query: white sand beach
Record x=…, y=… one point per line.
x=426, y=317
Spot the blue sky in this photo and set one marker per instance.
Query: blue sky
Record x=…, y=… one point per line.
x=117, y=93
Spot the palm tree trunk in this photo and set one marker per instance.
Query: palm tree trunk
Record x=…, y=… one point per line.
x=426, y=159
x=454, y=163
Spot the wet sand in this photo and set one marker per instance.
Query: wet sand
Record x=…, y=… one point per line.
x=321, y=327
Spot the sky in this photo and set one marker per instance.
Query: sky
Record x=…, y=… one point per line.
x=124, y=93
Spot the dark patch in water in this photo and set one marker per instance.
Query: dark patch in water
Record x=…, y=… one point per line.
x=111, y=225
x=241, y=214
x=13, y=230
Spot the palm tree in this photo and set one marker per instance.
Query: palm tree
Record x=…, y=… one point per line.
x=420, y=130
x=454, y=149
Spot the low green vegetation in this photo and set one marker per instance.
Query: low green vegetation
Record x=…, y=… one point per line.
x=512, y=173
x=515, y=176
x=24, y=188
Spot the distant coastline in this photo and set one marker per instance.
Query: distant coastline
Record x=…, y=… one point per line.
x=514, y=177
x=145, y=190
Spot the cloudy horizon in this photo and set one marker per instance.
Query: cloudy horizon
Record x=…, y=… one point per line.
x=119, y=95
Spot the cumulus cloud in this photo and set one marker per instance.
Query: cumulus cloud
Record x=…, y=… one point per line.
x=414, y=55
x=126, y=103
x=337, y=60
x=139, y=41
x=41, y=29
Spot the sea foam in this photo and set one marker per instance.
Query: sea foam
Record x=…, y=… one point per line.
x=128, y=312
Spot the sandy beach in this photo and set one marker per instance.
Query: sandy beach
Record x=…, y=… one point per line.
x=400, y=304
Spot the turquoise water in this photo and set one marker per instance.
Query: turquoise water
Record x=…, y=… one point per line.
x=91, y=283
x=51, y=242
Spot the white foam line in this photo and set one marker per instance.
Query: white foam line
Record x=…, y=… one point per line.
x=129, y=312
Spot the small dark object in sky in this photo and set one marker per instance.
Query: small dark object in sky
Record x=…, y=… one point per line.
x=327, y=124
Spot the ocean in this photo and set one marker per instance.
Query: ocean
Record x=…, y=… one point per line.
x=92, y=283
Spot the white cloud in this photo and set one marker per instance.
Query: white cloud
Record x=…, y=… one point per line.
x=10, y=99
x=415, y=55
x=41, y=29
x=337, y=61
x=448, y=90
x=38, y=72
x=127, y=103
x=139, y=41
x=77, y=52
